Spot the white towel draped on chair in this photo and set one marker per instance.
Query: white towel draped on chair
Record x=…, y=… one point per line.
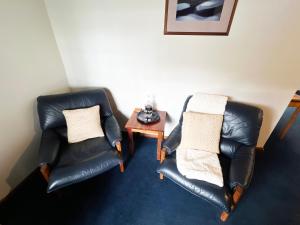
x=202, y=164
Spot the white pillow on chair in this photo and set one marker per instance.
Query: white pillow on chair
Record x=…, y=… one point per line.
x=83, y=124
x=201, y=131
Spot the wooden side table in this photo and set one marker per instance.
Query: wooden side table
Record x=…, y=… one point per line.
x=155, y=129
x=295, y=102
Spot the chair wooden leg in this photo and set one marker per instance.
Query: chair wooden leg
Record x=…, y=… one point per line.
x=45, y=171
x=122, y=167
x=119, y=146
x=162, y=155
x=119, y=149
x=161, y=176
x=224, y=216
x=238, y=192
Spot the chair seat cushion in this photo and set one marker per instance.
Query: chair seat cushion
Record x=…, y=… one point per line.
x=82, y=160
x=218, y=196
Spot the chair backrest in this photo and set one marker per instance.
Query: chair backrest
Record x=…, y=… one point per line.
x=50, y=107
x=241, y=125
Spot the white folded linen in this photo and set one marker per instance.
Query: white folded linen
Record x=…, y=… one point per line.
x=207, y=103
x=200, y=165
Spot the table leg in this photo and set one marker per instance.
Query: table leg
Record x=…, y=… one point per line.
x=160, y=138
x=130, y=141
x=289, y=123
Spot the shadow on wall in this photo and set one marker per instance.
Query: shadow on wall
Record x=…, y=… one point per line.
x=28, y=161
x=268, y=117
x=122, y=119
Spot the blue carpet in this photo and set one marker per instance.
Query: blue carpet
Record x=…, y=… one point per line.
x=138, y=197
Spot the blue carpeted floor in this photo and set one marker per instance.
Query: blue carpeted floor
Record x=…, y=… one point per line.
x=138, y=197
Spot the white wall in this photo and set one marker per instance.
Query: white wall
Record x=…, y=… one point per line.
x=30, y=66
x=120, y=45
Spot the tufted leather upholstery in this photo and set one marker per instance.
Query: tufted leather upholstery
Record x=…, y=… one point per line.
x=240, y=130
x=50, y=107
x=72, y=163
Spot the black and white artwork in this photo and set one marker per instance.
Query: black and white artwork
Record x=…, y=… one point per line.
x=195, y=10
x=199, y=17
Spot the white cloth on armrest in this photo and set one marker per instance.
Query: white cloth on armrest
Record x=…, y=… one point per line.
x=200, y=165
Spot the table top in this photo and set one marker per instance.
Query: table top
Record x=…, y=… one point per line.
x=133, y=123
x=296, y=98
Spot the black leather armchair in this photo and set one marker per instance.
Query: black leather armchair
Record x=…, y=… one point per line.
x=63, y=164
x=239, y=136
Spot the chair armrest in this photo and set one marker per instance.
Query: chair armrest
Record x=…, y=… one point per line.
x=112, y=130
x=173, y=140
x=49, y=147
x=242, y=165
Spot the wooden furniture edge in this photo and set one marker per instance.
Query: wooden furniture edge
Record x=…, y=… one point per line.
x=224, y=216
x=289, y=124
x=237, y=194
x=162, y=158
x=259, y=148
x=45, y=171
x=119, y=149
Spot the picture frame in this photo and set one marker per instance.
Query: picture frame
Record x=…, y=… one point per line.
x=198, y=17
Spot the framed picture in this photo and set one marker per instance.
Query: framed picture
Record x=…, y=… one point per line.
x=199, y=17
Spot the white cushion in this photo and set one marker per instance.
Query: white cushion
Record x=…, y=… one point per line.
x=201, y=131
x=83, y=124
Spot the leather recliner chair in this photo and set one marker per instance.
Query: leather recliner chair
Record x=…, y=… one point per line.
x=63, y=164
x=240, y=130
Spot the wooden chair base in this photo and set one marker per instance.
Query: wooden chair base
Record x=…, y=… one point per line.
x=119, y=149
x=45, y=171
x=238, y=192
x=161, y=176
x=122, y=167
x=224, y=216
